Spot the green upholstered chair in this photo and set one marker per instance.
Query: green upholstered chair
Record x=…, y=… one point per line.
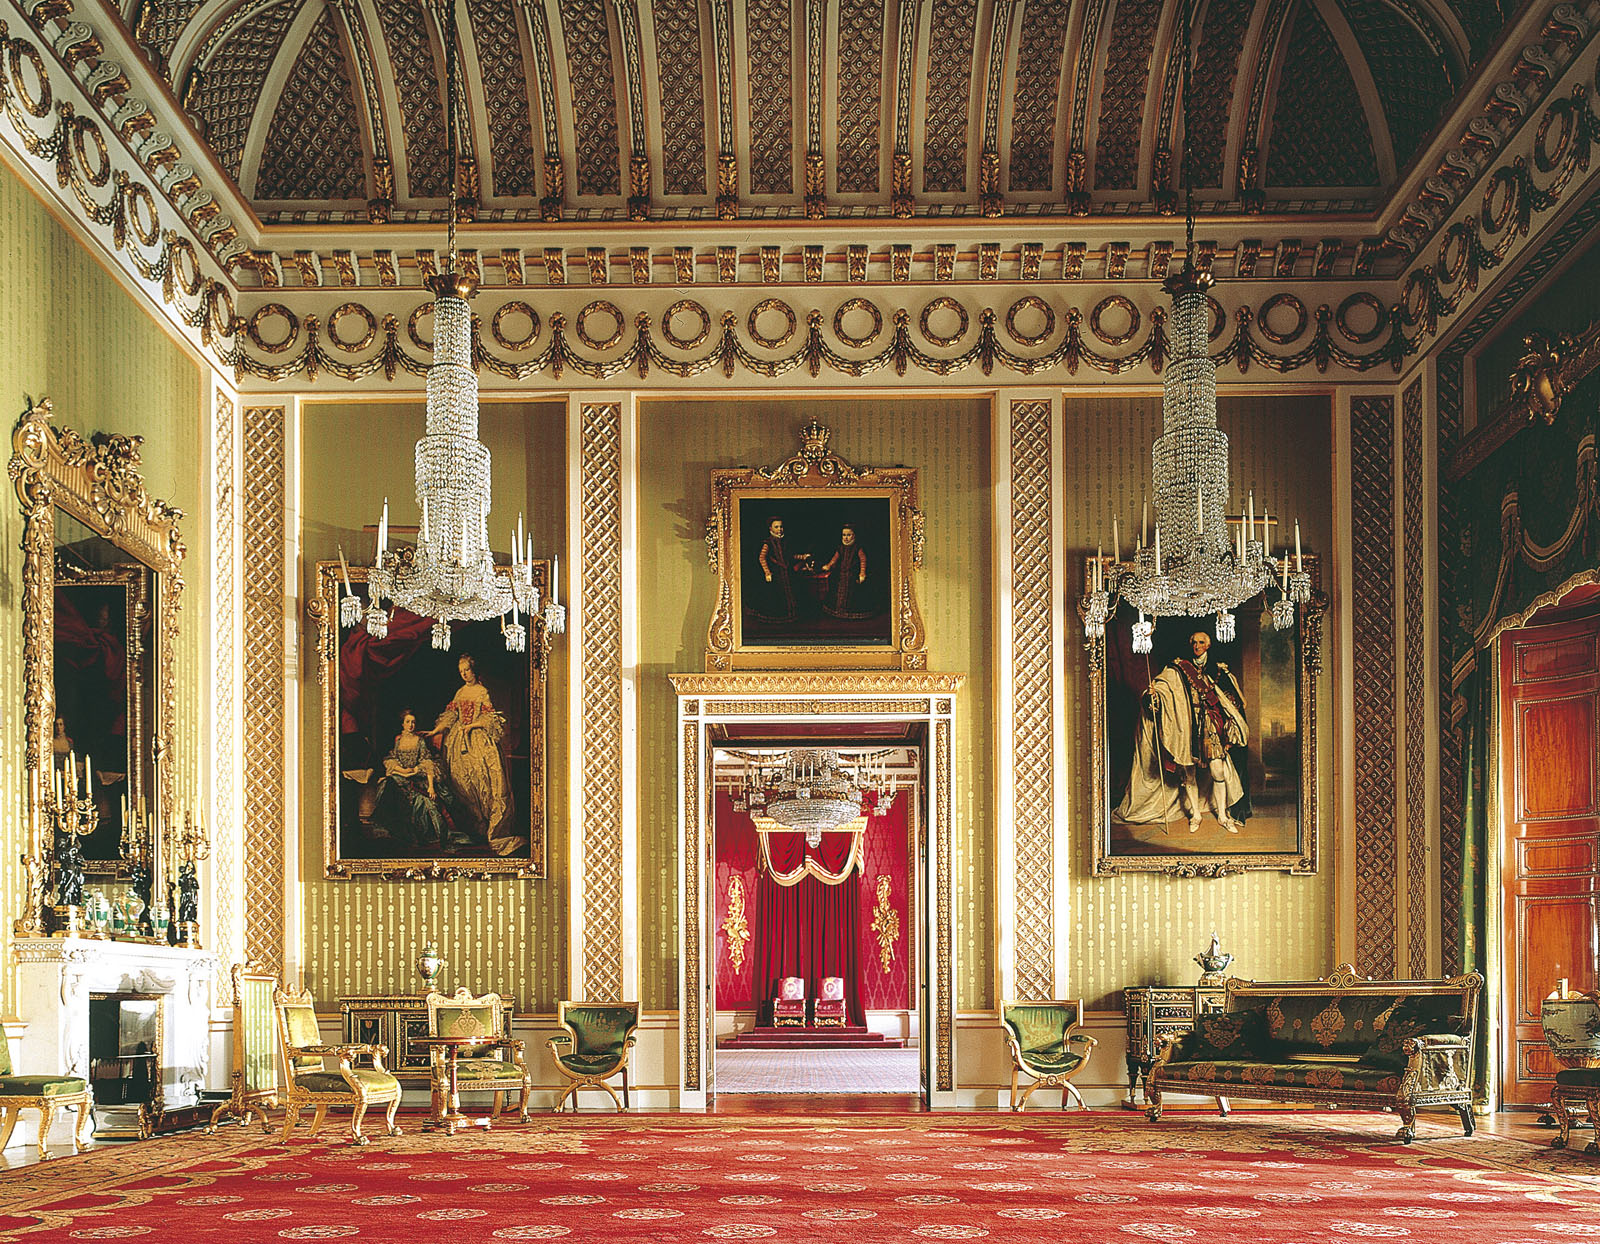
x=312, y=1083
x=1039, y=1036
x=46, y=1094
x=255, y=1055
x=496, y=1065
x=1575, y=1087
x=594, y=1046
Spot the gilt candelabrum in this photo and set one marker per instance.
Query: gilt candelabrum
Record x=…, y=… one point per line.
x=138, y=854
x=69, y=816
x=190, y=844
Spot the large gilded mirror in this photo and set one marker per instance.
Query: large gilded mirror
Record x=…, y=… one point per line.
x=101, y=577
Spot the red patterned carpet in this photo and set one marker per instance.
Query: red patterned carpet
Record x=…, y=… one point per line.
x=1273, y=1179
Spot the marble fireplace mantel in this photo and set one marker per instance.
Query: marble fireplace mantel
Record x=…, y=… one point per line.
x=57, y=977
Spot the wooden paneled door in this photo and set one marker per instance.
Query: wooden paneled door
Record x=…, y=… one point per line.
x=1550, y=792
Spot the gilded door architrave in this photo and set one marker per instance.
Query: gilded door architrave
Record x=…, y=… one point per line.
x=706, y=699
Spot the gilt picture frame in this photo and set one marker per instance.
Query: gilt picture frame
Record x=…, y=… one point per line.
x=459, y=790
x=1142, y=822
x=815, y=560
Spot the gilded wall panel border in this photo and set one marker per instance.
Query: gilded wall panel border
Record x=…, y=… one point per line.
x=265, y=587
x=600, y=432
x=944, y=929
x=1373, y=621
x=225, y=841
x=1414, y=574
x=694, y=883
x=1034, y=699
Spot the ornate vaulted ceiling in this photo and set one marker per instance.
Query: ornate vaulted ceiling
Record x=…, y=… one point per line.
x=322, y=110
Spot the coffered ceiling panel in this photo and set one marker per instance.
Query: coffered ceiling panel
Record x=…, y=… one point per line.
x=674, y=109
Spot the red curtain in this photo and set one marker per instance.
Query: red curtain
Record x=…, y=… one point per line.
x=809, y=930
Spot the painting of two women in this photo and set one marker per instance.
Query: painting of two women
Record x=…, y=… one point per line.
x=440, y=752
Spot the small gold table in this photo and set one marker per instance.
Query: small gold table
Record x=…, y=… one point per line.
x=447, y=1116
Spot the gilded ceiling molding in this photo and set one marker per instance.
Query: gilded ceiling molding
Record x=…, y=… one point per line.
x=1251, y=195
x=1089, y=53
x=555, y=180
x=1553, y=158
x=1163, y=174
x=1543, y=67
x=632, y=75
x=358, y=39
x=727, y=156
x=990, y=201
x=409, y=39
x=1030, y=336
x=901, y=203
x=857, y=60
x=816, y=174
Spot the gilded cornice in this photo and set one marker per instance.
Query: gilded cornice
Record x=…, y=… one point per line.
x=876, y=683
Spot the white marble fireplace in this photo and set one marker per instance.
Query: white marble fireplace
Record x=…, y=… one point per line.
x=58, y=975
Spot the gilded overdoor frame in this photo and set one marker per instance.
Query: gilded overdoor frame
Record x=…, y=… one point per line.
x=705, y=700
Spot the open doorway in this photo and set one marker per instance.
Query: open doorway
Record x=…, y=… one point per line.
x=817, y=935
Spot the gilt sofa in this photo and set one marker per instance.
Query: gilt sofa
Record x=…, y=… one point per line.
x=1345, y=1041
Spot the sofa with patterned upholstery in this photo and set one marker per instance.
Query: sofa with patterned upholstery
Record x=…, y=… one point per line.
x=1344, y=1041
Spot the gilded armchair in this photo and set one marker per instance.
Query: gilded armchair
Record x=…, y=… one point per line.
x=496, y=1065
x=46, y=1094
x=828, y=1011
x=594, y=1046
x=1039, y=1036
x=789, y=1007
x=311, y=1083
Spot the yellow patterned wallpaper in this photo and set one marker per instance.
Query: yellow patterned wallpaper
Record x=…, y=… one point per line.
x=948, y=440
x=1143, y=928
x=72, y=334
x=362, y=936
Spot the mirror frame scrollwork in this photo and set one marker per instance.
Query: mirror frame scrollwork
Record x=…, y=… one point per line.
x=98, y=482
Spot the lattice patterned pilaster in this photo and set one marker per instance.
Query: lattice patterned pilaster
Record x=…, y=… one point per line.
x=1372, y=614
x=225, y=839
x=1413, y=510
x=693, y=887
x=600, y=574
x=1033, y=701
x=265, y=587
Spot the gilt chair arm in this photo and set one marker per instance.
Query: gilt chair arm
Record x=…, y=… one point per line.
x=1169, y=1048
x=342, y=1050
x=1084, y=1037
x=1435, y=1041
x=562, y=1039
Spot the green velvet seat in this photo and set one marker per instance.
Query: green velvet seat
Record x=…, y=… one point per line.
x=1039, y=1037
x=495, y=1065
x=1576, y=1088
x=46, y=1094
x=312, y=1083
x=593, y=1046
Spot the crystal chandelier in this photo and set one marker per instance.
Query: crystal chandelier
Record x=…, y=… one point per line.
x=1196, y=566
x=813, y=790
x=450, y=575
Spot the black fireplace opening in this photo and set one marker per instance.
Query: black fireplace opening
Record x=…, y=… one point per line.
x=124, y=1048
